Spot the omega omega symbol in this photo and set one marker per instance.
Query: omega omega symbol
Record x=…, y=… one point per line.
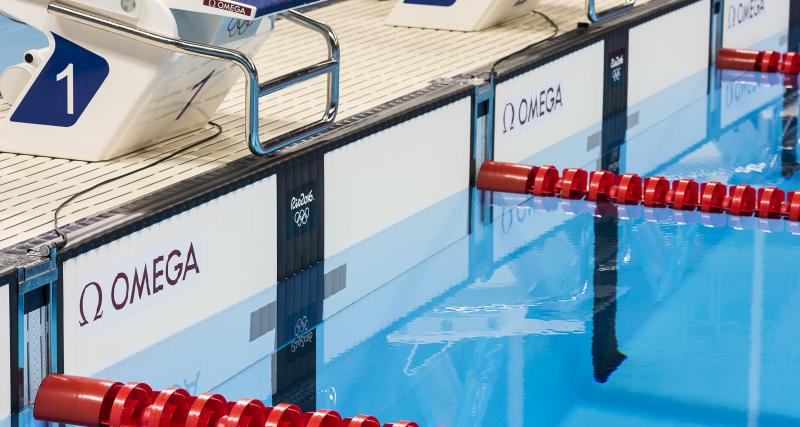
x=98, y=311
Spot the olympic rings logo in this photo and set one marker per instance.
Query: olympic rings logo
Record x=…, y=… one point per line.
x=301, y=326
x=301, y=217
x=237, y=27
x=302, y=336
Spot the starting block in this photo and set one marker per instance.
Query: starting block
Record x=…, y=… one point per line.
x=119, y=75
x=457, y=15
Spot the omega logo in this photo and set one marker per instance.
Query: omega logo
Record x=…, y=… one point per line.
x=226, y=6
x=528, y=110
x=744, y=10
x=735, y=92
x=125, y=288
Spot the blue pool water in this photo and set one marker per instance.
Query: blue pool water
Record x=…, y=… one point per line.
x=549, y=315
x=24, y=38
x=639, y=317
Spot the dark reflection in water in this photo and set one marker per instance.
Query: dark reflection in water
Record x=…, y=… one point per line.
x=789, y=163
x=295, y=365
x=606, y=357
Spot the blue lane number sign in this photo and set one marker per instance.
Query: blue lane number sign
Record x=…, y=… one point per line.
x=64, y=87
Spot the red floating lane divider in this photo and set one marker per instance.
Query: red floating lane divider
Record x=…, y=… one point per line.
x=712, y=197
x=791, y=207
x=766, y=61
x=362, y=421
x=90, y=402
x=130, y=404
x=506, y=177
x=628, y=190
x=656, y=190
x=742, y=200
x=770, y=202
x=573, y=183
x=631, y=189
x=737, y=59
x=544, y=181
x=600, y=185
x=206, y=410
x=323, y=418
x=685, y=195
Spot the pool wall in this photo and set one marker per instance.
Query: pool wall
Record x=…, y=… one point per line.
x=190, y=252
x=166, y=277
x=5, y=337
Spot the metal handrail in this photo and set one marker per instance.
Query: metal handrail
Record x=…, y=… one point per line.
x=595, y=16
x=253, y=88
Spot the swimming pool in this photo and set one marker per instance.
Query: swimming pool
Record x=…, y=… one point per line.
x=553, y=313
x=637, y=317
x=497, y=309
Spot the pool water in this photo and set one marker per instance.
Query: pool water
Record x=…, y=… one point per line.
x=634, y=317
x=24, y=38
x=552, y=313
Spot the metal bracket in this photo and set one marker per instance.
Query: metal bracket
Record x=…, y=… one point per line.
x=253, y=88
x=41, y=273
x=595, y=16
x=29, y=278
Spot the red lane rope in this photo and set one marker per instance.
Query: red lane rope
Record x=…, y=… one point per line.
x=631, y=189
x=91, y=402
x=765, y=61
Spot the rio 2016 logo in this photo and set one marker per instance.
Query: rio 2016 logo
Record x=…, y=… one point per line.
x=300, y=208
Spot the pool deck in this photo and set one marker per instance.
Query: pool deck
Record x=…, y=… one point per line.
x=379, y=64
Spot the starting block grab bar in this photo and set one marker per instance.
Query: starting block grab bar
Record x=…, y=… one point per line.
x=253, y=88
x=595, y=16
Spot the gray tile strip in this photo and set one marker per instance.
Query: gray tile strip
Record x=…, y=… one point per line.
x=262, y=321
x=335, y=280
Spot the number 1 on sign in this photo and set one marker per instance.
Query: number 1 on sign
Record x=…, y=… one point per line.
x=68, y=74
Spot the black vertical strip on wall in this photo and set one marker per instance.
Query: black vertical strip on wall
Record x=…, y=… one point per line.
x=794, y=24
x=473, y=167
x=59, y=303
x=606, y=356
x=615, y=96
x=299, y=311
x=301, y=231
x=789, y=163
x=13, y=324
x=301, y=224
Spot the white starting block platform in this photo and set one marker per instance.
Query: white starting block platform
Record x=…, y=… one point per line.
x=379, y=63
